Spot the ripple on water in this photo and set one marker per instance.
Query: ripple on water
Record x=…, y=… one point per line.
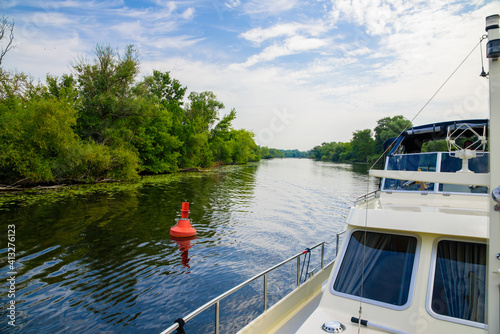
x=105, y=262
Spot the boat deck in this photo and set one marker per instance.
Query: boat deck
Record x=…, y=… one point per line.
x=439, y=213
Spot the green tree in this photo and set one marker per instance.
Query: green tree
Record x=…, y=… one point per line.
x=330, y=152
x=165, y=88
x=112, y=110
x=243, y=147
x=202, y=112
x=102, y=122
x=38, y=143
x=203, y=109
x=264, y=152
x=362, y=145
x=169, y=93
x=156, y=146
x=389, y=127
x=295, y=154
x=19, y=85
x=219, y=139
x=63, y=88
x=348, y=154
x=435, y=146
x=106, y=88
x=275, y=153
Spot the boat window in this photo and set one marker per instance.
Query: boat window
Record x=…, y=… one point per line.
x=460, y=280
x=451, y=164
x=387, y=271
x=425, y=162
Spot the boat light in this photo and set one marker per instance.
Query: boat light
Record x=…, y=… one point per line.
x=492, y=22
x=333, y=327
x=493, y=46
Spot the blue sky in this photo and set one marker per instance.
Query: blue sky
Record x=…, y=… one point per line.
x=298, y=73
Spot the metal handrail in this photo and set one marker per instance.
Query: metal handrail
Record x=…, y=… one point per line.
x=216, y=300
x=366, y=196
x=337, y=241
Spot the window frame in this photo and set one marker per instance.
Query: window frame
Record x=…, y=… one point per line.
x=430, y=285
x=372, y=301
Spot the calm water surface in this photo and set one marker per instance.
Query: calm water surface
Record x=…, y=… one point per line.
x=103, y=260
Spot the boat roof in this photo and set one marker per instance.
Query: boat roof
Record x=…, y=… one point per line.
x=413, y=138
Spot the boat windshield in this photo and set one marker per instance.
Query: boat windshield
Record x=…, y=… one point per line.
x=387, y=272
x=424, y=162
x=433, y=162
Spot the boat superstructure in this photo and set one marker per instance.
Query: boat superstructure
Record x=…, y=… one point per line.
x=422, y=253
x=414, y=258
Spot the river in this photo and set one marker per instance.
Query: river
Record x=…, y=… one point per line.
x=99, y=259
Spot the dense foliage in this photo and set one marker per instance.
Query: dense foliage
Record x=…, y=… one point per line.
x=365, y=145
x=271, y=153
x=102, y=122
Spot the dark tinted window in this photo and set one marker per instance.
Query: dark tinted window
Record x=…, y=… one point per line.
x=385, y=272
x=460, y=280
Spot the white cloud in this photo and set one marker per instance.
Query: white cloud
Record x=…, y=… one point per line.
x=233, y=3
x=174, y=42
x=288, y=39
x=44, y=55
x=290, y=46
x=259, y=35
x=129, y=30
x=188, y=13
x=377, y=16
x=78, y=4
x=51, y=19
x=171, y=6
x=269, y=7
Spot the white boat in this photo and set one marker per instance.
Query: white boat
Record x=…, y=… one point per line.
x=422, y=253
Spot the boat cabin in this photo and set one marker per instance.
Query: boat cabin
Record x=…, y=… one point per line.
x=414, y=255
x=425, y=238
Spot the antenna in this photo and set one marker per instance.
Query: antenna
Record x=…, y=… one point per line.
x=483, y=73
x=470, y=150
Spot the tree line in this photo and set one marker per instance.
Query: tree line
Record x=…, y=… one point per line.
x=271, y=153
x=103, y=121
x=365, y=146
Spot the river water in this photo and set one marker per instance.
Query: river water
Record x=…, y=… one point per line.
x=99, y=259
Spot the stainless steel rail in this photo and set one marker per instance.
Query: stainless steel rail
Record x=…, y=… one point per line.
x=367, y=196
x=216, y=300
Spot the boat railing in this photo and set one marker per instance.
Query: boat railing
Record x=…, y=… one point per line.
x=216, y=301
x=337, y=241
x=367, y=196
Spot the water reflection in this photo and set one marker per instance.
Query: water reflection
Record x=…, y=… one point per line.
x=104, y=261
x=184, y=246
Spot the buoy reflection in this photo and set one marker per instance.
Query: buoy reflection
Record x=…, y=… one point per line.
x=184, y=246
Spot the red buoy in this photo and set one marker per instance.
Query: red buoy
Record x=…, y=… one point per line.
x=183, y=228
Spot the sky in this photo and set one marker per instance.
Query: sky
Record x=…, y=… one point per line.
x=298, y=73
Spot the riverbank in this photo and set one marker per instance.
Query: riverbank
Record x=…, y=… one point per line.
x=23, y=185
x=56, y=192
